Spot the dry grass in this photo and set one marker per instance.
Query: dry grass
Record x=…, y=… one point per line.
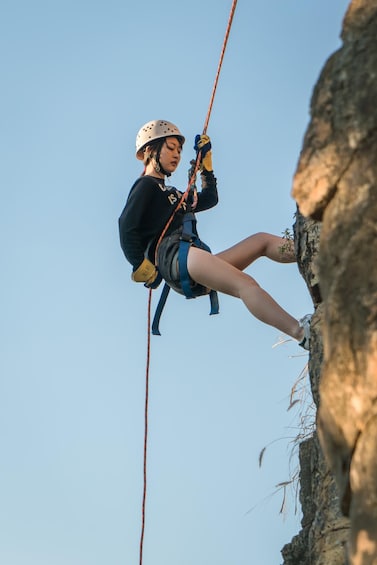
x=300, y=401
x=287, y=246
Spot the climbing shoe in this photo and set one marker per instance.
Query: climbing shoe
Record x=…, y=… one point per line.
x=305, y=324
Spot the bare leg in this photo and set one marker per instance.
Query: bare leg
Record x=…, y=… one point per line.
x=215, y=273
x=259, y=245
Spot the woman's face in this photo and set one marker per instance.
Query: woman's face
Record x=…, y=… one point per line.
x=170, y=154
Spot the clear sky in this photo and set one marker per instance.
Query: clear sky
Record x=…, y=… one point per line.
x=78, y=79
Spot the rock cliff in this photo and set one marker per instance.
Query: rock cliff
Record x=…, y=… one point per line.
x=335, y=187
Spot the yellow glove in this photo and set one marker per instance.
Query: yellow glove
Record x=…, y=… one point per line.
x=207, y=162
x=203, y=144
x=146, y=273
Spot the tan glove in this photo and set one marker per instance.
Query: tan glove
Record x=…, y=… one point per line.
x=146, y=273
x=203, y=144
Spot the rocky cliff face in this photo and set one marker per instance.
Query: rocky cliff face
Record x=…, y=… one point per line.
x=335, y=187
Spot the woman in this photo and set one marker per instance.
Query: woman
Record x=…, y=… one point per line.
x=151, y=204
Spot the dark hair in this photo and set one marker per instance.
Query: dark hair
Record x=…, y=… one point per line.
x=155, y=147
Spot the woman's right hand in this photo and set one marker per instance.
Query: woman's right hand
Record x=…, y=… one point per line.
x=204, y=145
x=147, y=273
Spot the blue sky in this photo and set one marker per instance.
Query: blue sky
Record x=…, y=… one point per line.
x=78, y=80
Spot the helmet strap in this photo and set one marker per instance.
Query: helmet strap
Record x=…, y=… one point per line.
x=158, y=167
x=153, y=154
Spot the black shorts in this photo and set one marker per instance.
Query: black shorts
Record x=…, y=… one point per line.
x=167, y=261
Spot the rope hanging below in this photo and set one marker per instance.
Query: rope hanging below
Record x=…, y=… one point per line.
x=183, y=198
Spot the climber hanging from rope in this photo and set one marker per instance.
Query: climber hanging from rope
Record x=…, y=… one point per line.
x=152, y=204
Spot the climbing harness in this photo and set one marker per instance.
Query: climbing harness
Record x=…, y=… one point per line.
x=165, y=293
x=186, y=238
x=189, y=238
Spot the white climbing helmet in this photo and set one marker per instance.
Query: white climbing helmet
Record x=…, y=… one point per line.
x=151, y=131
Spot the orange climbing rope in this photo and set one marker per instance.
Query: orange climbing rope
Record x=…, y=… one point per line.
x=146, y=428
x=232, y=10
x=191, y=182
x=195, y=168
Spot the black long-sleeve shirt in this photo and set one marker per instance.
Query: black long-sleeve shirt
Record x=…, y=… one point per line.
x=148, y=208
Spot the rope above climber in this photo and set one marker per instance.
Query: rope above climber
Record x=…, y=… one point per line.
x=152, y=205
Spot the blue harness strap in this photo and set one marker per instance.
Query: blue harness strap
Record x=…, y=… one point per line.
x=159, y=309
x=189, y=237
